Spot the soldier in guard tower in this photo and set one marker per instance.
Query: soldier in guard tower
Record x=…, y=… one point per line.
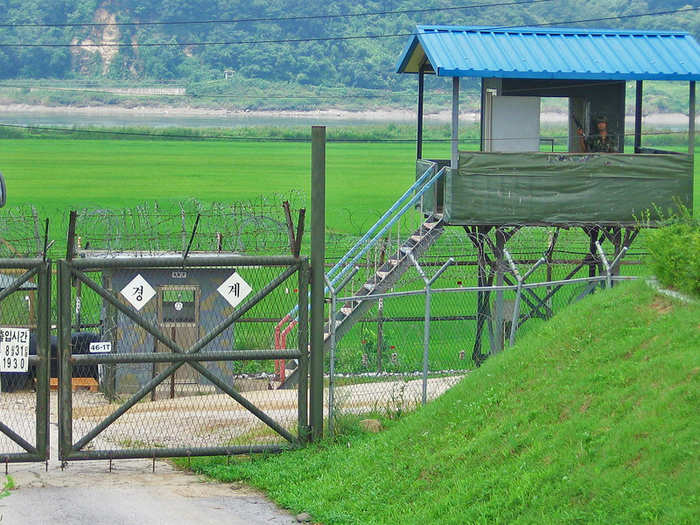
x=601, y=142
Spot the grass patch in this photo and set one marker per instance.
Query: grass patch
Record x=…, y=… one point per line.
x=7, y=487
x=590, y=418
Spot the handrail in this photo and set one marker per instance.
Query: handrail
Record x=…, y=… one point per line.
x=387, y=214
x=365, y=246
x=402, y=204
x=428, y=185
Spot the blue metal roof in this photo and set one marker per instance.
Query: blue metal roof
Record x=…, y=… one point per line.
x=554, y=53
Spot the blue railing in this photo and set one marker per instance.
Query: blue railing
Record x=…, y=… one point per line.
x=404, y=203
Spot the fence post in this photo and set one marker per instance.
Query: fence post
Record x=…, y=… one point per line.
x=65, y=369
x=44, y=352
x=331, y=371
x=518, y=291
x=606, y=265
x=303, y=345
x=426, y=322
x=318, y=227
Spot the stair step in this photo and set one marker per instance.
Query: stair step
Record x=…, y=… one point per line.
x=381, y=274
x=347, y=310
x=416, y=238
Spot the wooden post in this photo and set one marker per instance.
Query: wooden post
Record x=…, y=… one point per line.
x=455, y=122
x=419, y=137
x=638, y=117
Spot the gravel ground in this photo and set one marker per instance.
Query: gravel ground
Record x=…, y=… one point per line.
x=203, y=420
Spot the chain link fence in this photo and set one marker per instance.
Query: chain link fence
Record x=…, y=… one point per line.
x=131, y=395
x=466, y=298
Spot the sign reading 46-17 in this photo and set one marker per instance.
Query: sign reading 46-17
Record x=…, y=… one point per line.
x=14, y=349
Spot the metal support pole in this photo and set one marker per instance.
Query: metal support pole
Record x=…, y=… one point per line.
x=65, y=369
x=606, y=265
x=691, y=124
x=638, y=117
x=518, y=291
x=303, y=344
x=331, y=377
x=426, y=324
x=455, y=123
x=498, y=302
x=44, y=353
x=318, y=245
x=419, y=136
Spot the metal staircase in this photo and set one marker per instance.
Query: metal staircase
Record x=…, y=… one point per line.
x=385, y=276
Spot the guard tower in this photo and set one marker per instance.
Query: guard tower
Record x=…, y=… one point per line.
x=509, y=184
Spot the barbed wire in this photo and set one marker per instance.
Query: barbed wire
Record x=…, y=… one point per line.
x=244, y=138
x=339, y=38
x=295, y=18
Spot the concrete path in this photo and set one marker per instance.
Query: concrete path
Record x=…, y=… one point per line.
x=86, y=493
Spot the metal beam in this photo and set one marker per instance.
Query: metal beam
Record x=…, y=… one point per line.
x=455, y=123
x=175, y=357
x=179, y=452
x=419, y=136
x=175, y=262
x=19, y=440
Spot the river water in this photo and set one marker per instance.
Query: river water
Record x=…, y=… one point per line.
x=186, y=118
x=168, y=119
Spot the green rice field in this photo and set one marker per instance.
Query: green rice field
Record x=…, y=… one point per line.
x=58, y=175
x=363, y=179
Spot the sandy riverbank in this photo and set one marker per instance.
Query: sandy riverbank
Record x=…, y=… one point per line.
x=379, y=116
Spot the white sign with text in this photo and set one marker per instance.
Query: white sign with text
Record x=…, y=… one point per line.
x=138, y=292
x=234, y=289
x=14, y=349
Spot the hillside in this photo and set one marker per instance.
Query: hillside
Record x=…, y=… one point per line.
x=358, y=63
x=591, y=419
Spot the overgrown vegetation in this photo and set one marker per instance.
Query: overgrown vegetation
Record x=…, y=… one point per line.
x=674, y=250
x=591, y=418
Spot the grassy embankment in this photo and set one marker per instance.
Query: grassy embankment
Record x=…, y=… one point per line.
x=592, y=418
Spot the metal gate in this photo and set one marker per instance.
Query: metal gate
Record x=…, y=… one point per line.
x=24, y=359
x=122, y=342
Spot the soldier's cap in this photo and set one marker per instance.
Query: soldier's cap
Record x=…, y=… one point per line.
x=601, y=117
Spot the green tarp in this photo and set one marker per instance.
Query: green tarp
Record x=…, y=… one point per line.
x=565, y=188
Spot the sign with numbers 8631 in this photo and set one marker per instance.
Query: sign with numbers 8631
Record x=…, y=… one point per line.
x=14, y=349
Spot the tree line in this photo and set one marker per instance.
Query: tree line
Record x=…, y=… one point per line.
x=360, y=63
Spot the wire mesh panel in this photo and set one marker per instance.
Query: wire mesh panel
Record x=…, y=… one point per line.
x=24, y=350
x=379, y=363
x=462, y=301
x=165, y=359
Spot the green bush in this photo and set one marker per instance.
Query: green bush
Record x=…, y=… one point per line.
x=674, y=250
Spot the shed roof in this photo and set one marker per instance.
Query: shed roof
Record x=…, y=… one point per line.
x=552, y=53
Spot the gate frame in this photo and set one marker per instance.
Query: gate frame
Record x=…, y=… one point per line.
x=42, y=269
x=76, y=268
